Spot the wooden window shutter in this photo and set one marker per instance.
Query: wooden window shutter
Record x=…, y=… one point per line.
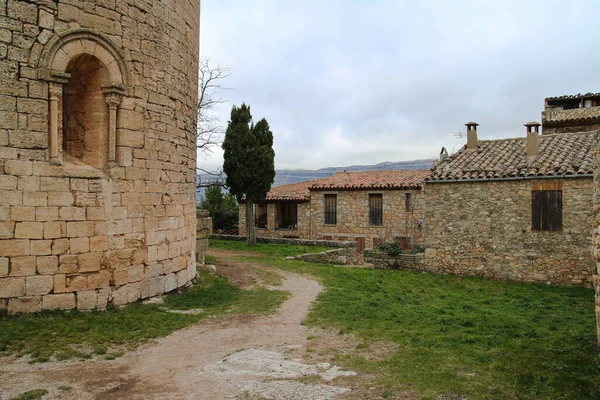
x=546, y=210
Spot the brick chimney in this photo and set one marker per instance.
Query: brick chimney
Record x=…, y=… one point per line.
x=533, y=139
x=471, y=135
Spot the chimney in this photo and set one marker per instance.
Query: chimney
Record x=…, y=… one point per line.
x=533, y=139
x=471, y=136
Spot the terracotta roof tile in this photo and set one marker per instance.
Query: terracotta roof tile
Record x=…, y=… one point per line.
x=363, y=180
x=573, y=96
x=293, y=191
x=560, y=154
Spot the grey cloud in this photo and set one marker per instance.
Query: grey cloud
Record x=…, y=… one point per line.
x=345, y=82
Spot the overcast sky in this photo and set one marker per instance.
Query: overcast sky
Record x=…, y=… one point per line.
x=362, y=82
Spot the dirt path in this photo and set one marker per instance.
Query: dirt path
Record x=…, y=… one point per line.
x=233, y=357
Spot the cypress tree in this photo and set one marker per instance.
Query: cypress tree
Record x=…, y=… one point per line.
x=249, y=161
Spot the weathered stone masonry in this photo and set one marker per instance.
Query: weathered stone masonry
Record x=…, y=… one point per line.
x=484, y=228
x=596, y=226
x=97, y=151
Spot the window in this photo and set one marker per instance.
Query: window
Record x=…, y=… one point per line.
x=260, y=216
x=375, y=209
x=407, y=202
x=287, y=216
x=546, y=210
x=330, y=209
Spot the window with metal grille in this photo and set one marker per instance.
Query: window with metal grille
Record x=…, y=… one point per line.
x=330, y=209
x=546, y=210
x=407, y=202
x=375, y=209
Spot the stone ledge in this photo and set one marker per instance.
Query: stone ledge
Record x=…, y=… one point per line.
x=298, y=242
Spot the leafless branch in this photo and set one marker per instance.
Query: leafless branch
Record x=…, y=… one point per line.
x=211, y=178
x=210, y=132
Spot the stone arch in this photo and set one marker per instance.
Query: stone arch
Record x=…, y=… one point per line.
x=64, y=46
x=59, y=65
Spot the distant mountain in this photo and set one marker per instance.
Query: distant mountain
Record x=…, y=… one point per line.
x=287, y=176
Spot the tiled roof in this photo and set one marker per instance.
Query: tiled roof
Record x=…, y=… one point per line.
x=574, y=96
x=363, y=180
x=294, y=191
x=572, y=120
x=560, y=154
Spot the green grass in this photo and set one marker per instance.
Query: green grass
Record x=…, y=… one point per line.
x=271, y=250
x=482, y=338
x=84, y=334
x=35, y=394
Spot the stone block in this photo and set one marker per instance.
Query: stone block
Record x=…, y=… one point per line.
x=182, y=278
x=170, y=282
x=7, y=230
x=54, y=230
x=35, y=198
x=43, y=214
x=12, y=287
x=11, y=197
x=29, y=183
x=64, y=199
x=98, y=280
x=60, y=283
x=87, y=300
x=135, y=273
x=18, y=167
x=29, y=230
x=38, y=285
x=79, y=245
x=20, y=213
x=126, y=294
x=64, y=301
x=14, y=247
x=41, y=247
x=76, y=282
x=89, y=262
x=47, y=265
x=103, y=297
x=4, y=261
x=152, y=287
x=80, y=229
x=98, y=243
x=52, y=184
x=24, y=305
x=60, y=246
x=8, y=182
x=22, y=266
x=71, y=213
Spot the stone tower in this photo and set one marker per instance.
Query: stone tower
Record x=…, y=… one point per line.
x=97, y=151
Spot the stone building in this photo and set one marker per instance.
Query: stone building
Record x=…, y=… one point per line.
x=97, y=151
x=596, y=226
x=572, y=113
x=518, y=209
x=368, y=207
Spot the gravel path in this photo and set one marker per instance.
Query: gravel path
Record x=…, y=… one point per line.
x=232, y=357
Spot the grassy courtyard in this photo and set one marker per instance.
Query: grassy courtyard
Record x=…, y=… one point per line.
x=65, y=335
x=456, y=335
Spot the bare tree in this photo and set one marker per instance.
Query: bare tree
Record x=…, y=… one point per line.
x=210, y=132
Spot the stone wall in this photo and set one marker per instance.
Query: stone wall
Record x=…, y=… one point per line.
x=596, y=230
x=381, y=259
x=303, y=231
x=484, y=228
x=113, y=220
x=204, y=229
x=345, y=256
x=353, y=216
x=554, y=119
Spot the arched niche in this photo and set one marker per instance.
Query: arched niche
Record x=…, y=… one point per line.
x=87, y=78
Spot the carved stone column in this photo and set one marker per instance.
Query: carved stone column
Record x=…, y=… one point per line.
x=112, y=96
x=55, y=96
